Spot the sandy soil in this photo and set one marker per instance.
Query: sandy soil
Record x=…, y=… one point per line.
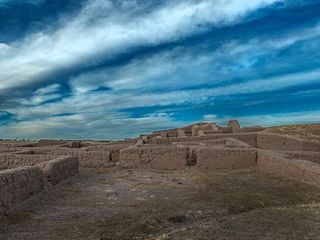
x=109, y=204
x=307, y=131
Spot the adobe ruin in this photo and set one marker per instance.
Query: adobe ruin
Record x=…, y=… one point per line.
x=27, y=169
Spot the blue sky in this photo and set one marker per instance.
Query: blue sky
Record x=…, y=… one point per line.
x=109, y=69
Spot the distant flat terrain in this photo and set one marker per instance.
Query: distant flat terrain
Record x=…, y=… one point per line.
x=307, y=131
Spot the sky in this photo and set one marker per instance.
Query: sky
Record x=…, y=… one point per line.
x=110, y=69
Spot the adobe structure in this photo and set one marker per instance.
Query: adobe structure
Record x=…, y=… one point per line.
x=27, y=169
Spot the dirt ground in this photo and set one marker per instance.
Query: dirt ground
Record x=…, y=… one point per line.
x=307, y=131
x=109, y=204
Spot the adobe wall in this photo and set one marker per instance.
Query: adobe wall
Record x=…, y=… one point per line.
x=45, y=142
x=249, y=138
x=162, y=157
x=8, y=161
x=217, y=142
x=235, y=143
x=19, y=184
x=280, y=165
x=60, y=169
x=195, y=129
x=224, y=159
x=107, y=147
x=304, y=155
x=249, y=129
x=8, y=149
x=271, y=141
x=86, y=158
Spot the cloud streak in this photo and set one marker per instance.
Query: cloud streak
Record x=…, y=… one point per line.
x=127, y=67
x=78, y=40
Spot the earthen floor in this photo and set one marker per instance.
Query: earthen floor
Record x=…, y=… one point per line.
x=110, y=204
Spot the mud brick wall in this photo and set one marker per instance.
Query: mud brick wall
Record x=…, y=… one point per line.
x=249, y=138
x=217, y=142
x=9, y=149
x=249, y=129
x=8, y=161
x=304, y=155
x=45, y=142
x=165, y=157
x=224, y=159
x=235, y=143
x=107, y=147
x=210, y=126
x=19, y=184
x=60, y=169
x=271, y=141
x=86, y=158
x=280, y=165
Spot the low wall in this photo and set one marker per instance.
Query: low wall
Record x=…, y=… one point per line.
x=19, y=184
x=165, y=157
x=59, y=169
x=235, y=143
x=107, y=147
x=249, y=129
x=47, y=142
x=280, y=165
x=86, y=158
x=8, y=161
x=271, y=141
x=249, y=138
x=304, y=155
x=9, y=149
x=224, y=158
x=217, y=142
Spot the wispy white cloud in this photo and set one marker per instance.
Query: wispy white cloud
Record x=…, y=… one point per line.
x=92, y=126
x=267, y=120
x=78, y=39
x=180, y=76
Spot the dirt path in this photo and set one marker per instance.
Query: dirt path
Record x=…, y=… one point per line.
x=120, y=204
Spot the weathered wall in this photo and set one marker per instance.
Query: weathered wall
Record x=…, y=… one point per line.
x=235, y=143
x=86, y=158
x=249, y=129
x=249, y=138
x=18, y=184
x=280, y=165
x=47, y=142
x=59, y=169
x=107, y=147
x=304, y=155
x=224, y=159
x=8, y=161
x=165, y=157
x=8, y=149
x=271, y=141
x=216, y=142
x=195, y=129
